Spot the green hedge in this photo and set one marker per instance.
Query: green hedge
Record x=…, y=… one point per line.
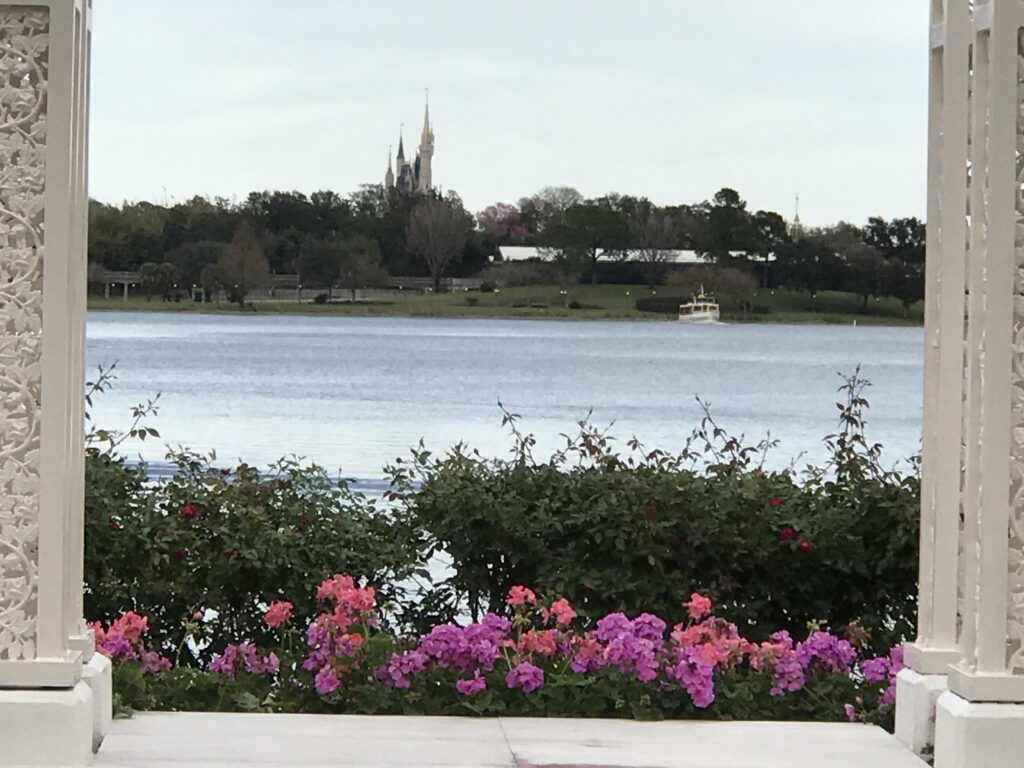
x=636, y=531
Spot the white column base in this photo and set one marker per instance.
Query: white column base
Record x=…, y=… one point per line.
x=970, y=735
x=46, y=727
x=97, y=674
x=916, y=696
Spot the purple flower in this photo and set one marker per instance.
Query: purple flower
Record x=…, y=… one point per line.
x=823, y=652
x=525, y=676
x=401, y=665
x=646, y=626
x=851, y=713
x=695, y=675
x=326, y=681
x=118, y=647
x=153, y=662
x=227, y=663
x=224, y=663
x=613, y=625
x=875, y=670
x=472, y=686
x=787, y=672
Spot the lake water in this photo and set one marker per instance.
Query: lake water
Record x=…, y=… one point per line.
x=354, y=393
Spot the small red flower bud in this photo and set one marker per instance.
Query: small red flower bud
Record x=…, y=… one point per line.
x=774, y=502
x=188, y=512
x=804, y=545
x=179, y=554
x=113, y=526
x=228, y=554
x=787, y=534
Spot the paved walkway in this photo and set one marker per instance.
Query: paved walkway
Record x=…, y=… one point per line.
x=194, y=740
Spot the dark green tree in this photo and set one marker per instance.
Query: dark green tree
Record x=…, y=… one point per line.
x=901, y=242
x=192, y=258
x=586, y=230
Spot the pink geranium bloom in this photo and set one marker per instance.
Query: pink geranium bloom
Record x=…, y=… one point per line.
x=131, y=625
x=562, y=612
x=545, y=643
x=278, y=613
x=698, y=606
x=519, y=595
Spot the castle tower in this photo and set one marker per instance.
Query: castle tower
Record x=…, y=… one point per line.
x=403, y=168
x=426, y=153
x=389, y=177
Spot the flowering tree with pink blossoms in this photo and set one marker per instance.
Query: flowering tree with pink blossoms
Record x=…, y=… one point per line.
x=503, y=222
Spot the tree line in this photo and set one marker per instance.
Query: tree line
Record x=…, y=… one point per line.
x=331, y=241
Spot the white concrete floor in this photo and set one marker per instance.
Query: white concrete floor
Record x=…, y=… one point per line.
x=195, y=740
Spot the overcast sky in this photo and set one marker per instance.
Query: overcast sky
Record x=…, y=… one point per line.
x=670, y=99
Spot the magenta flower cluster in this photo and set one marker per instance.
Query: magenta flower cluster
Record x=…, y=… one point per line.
x=243, y=656
x=537, y=646
x=121, y=641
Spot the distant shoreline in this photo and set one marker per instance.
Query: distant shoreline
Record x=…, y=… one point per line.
x=551, y=302
x=484, y=313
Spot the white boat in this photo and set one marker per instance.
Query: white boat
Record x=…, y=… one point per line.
x=701, y=309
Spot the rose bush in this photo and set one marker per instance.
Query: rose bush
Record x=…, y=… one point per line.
x=541, y=660
x=229, y=542
x=609, y=531
x=629, y=531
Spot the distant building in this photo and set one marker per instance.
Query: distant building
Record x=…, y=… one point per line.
x=413, y=175
x=527, y=253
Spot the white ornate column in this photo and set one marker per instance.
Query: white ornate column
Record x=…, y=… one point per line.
x=46, y=710
x=980, y=720
x=929, y=657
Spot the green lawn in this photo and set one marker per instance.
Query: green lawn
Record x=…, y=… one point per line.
x=597, y=302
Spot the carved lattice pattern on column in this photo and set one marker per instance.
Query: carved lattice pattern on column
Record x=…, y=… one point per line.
x=1015, y=604
x=965, y=400
x=24, y=41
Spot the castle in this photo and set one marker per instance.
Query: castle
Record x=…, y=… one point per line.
x=415, y=175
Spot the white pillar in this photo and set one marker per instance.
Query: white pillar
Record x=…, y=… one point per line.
x=43, y=92
x=980, y=720
x=929, y=657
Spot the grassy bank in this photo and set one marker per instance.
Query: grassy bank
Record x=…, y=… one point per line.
x=597, y=302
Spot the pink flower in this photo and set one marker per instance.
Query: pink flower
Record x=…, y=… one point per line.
x=131, y=625
x=278, y=613
x=787, y=533
x=851, y=712
x=698, y=607
x=545, y=643
x=561, y=610
x=804, y=545
x=774, y=502
x=188, y=512
x=518, y=596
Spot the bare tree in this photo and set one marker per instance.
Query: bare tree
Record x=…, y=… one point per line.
x=437, y=231
x=654, y=234
x=244, y=263
x=361, y=265
x=721, y=281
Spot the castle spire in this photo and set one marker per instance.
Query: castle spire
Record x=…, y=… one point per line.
x=427, y=130
x=401, y=146
x=389, y=177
